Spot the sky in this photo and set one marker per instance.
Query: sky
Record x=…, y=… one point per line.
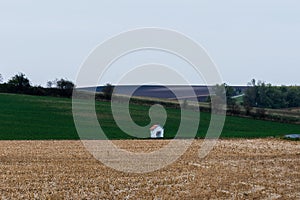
x=246, y=39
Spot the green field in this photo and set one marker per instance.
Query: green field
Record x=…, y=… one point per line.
x=24, y=117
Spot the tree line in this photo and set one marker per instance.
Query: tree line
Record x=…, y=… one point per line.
x=19, y=83
x=262, y=95
x=256, y=98
x=257, y=95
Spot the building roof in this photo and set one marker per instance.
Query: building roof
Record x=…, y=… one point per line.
x=154, y=127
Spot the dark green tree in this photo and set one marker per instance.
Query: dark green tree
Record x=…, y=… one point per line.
x=250, y=97
x=20, y=82
x=230, y=100
x=65, y=86
x=293, y=96
x=108, y=91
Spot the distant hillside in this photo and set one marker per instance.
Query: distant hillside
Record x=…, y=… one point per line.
x=156, y=91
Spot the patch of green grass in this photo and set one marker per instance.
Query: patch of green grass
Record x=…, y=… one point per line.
x=24, y=117
x=32, y=117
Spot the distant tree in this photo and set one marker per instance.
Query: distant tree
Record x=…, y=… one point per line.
x=226, y=93
x=53, y=84
x=218, y=100
x=185, y=104
x=49, y=84
x=1, y=78
x=293, y=96
x=20, y=82
x=64, y=84
x=230, y=92
x=249, y=99
x=65, y=87
x=230, y=100
x=108, y=91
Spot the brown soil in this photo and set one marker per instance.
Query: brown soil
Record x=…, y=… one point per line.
x=235, y=169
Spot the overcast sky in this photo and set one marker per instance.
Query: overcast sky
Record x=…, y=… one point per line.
x=246, y=39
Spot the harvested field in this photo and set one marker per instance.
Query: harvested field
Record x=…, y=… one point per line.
x=235, y=169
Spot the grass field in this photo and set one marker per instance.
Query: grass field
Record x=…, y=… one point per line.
x=41, y=118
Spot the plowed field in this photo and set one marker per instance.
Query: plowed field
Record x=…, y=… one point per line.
x=239, y=169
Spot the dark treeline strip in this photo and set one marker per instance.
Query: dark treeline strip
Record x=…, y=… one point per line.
x=264, y=95
x=36, y=90
x=20, y=84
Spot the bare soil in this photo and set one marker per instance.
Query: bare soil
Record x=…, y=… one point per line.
x=234, y=169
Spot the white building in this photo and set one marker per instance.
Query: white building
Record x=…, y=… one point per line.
x=156, y=131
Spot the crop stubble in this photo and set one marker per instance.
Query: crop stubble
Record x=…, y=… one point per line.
x=237, y=168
